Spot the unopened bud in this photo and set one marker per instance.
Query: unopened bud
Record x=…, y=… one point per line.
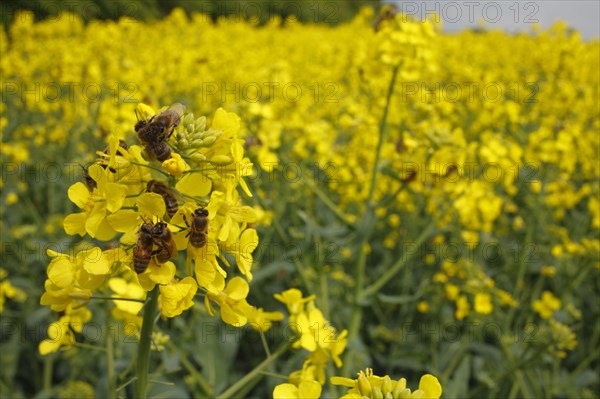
x=200, y=123
x=221, y=160
x=197, y=143
x=364, y=386
x=188, y=119
x=208, y=141
x=387, y=384
x=376, y=393
x=198, y=157
x=404, y=394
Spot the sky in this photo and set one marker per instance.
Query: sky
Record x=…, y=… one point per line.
x=509, y=15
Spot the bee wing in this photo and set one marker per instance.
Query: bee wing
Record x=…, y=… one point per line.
x=177, y=109
x=174, y=251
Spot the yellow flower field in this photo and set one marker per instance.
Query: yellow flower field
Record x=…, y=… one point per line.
x=372, y=210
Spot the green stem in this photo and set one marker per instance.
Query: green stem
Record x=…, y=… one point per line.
x=150, y=167
x=324, y=300
x=198, y=378
x=519, y=375
x=328, y=202
x=382, y=135
x=108, y=298
x=356, y=316
x=47, y=381
x=258, y=371
x=143, y=361
x=110, y=359
x=396, y=267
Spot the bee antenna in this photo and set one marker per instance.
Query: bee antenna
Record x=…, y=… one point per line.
x=136, y=115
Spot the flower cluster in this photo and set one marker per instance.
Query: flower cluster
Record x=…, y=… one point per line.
x=187, y=204
x=371, y=386
x=315, y=334
x=7, y=290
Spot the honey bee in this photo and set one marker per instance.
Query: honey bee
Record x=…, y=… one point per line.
x=159, y=150
x=143, y=248
x=160, y=127
x=389, y=11
x=158, y=187
x=122, y=144
x=164, y=240
x=89, y=181
x=150, y=235
x=198, y=227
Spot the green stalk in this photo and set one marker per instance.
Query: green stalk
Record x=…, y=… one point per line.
x=396, y=267
x=328, y=202
x=110, y=358
x=356, y=317
x=143, y=361
x=382, y=135
x=110, y=298
x=47, y=379
x=258, y=371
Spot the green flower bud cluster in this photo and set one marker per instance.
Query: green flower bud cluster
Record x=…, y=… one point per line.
x=369, y=386
x=194, y=137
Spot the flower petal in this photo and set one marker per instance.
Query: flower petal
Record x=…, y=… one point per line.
x=195, y=185
x=94, y=261
x=151, y=205
x=115, y=195
x=285, y=391
x=431, y=386
x=78, y=194
x=75, y=223
x=124, y=220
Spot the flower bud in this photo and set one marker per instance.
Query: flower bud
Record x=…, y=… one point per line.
x=196, y=135
x=200, y=123
x=196, y=143
x=404, y=394
x=175, y=165
x=364, y=386
x=198, y=157
x=183, y=143
x=208, y=141
x=221, y=160
x=376, y=393
x=387, y=385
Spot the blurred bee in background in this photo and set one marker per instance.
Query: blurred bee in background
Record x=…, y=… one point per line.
x=155, y=131
x=198, y=227
x=158, y=187
x=388, y=12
